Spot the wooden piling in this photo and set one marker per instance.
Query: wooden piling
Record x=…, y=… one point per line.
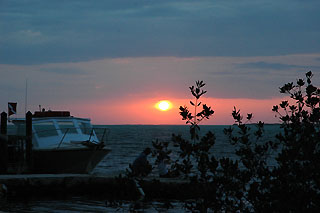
x=4, y=123
x=3, y=144
x=29, y=158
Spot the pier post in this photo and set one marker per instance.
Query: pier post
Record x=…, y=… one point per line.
x=29, y=159
x=4, y=123
x=3, y=144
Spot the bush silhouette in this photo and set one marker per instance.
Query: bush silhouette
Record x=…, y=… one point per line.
x=249, y=184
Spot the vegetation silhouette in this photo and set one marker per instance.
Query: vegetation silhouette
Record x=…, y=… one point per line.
x=248, y=183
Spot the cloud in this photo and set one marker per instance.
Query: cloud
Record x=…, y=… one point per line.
x=26, y=38
x=63, y=70
x=275, y=66
x=39, y=32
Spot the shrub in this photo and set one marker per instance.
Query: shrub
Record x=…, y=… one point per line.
x=249, y=183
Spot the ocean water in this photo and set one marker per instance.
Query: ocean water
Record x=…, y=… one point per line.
x=126, y=143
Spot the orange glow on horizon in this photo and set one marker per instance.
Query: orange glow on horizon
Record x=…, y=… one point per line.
x=144, y=111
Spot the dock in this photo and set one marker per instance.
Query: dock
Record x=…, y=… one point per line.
x=112, y=187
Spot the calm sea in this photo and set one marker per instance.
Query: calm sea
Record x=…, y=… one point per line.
x=126, y=143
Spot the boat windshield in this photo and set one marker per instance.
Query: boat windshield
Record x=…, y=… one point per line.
x=45, y=129
x=85, y=128
x=67, y=125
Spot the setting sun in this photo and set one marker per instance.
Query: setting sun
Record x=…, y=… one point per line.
x=163, y=105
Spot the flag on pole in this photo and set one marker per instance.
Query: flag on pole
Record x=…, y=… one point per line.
x=12, y=108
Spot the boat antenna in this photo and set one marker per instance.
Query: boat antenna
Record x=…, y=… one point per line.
x=26, y=98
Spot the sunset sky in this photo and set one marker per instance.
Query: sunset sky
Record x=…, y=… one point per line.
x=112, y=61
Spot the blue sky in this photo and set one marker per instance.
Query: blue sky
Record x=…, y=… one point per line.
x=80, y=51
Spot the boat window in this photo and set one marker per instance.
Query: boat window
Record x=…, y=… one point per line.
x=85, y=128
x=67, y=125
x=45, y=129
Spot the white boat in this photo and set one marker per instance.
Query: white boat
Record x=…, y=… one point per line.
x=62, y=143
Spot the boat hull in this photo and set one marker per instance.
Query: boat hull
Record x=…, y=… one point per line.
x=76, y=161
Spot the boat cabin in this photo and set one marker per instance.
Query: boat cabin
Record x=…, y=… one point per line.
x=57, y=129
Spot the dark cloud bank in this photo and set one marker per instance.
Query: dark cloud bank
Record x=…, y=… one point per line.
x=34, y=32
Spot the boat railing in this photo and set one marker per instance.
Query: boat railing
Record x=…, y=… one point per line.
x=99, y=133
